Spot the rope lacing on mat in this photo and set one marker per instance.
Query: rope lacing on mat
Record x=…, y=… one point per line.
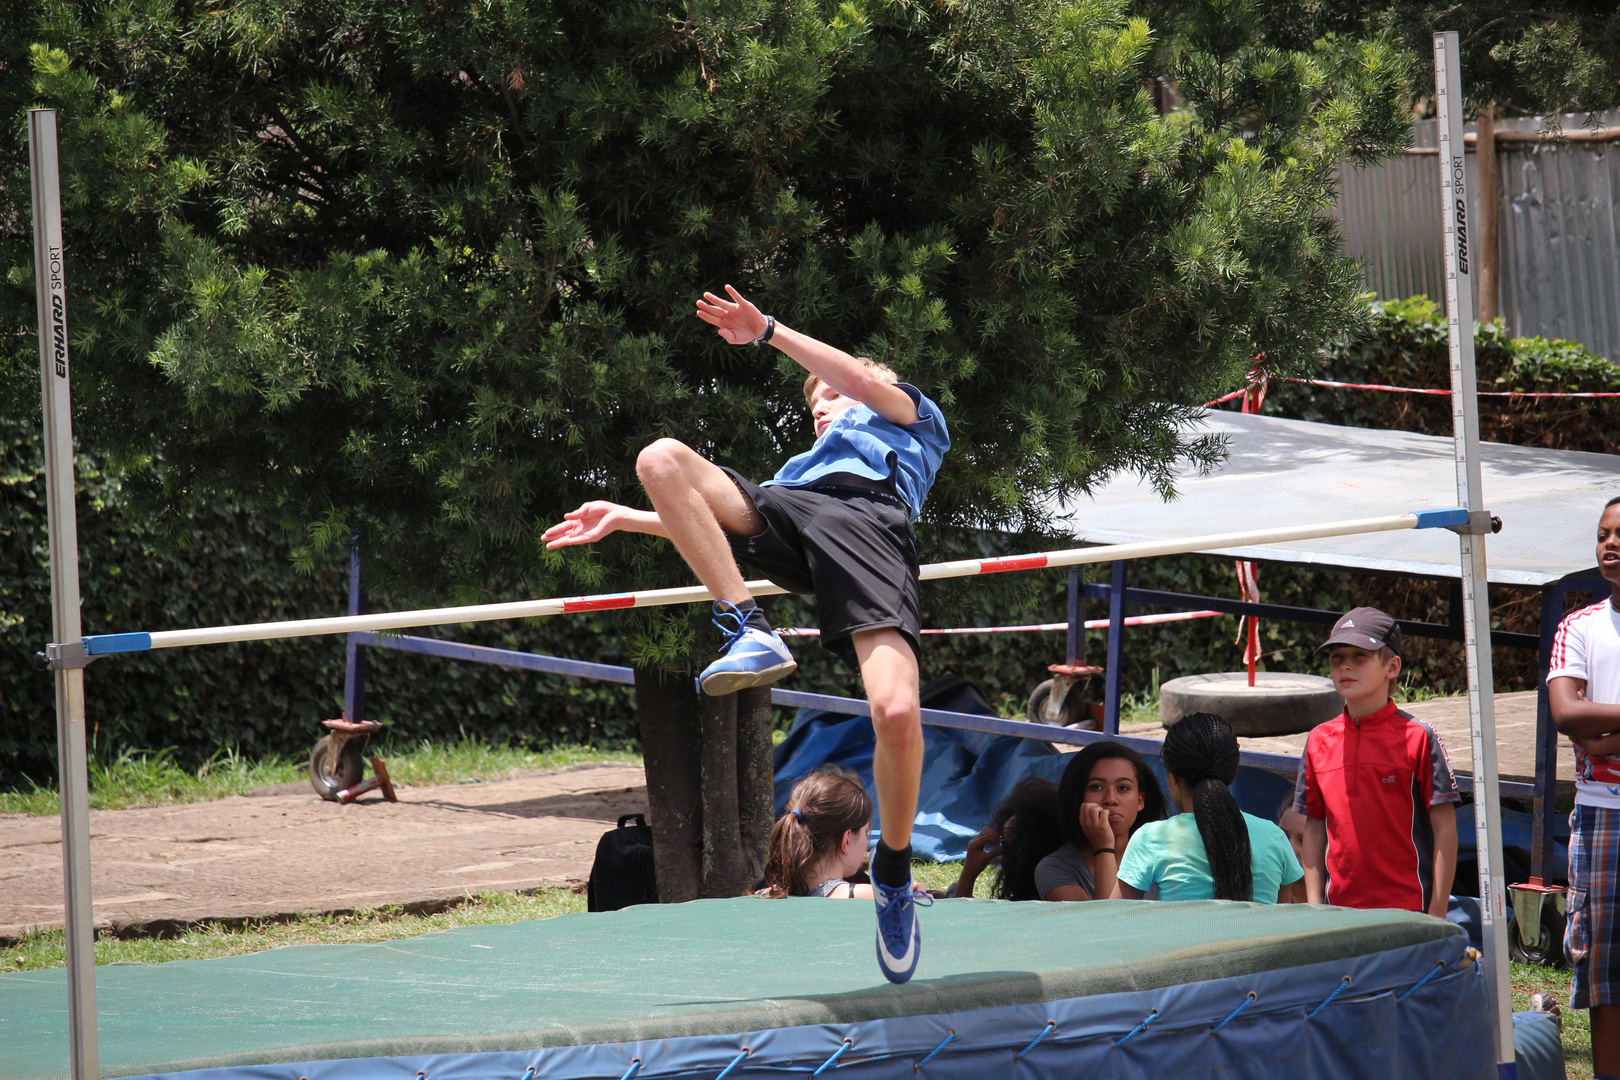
x=1437, y=969
x=916, y=1066
x=1152, y=1016
x=725, y=1072
x=838, y=1053
x=1343, y=985
x=1051, y=1026
x=1247, y=1001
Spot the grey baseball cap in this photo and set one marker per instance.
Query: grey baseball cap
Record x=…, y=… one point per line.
x=1366, y=628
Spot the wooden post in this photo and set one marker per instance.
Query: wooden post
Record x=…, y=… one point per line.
x=1490, y=215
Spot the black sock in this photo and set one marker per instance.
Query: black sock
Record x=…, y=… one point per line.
x=754, y=615
x=891, y=868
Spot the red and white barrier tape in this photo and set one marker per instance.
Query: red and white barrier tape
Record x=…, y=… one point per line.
x=1091, y=624
x=1423, y=390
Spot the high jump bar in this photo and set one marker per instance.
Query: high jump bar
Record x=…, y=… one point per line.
x=106, y=644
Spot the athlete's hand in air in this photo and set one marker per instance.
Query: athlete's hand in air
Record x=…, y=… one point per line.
x=588, y=524
x=738, y=321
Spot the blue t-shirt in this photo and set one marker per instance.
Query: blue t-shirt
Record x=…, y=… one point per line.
x=863, y=443
x=1170, y=854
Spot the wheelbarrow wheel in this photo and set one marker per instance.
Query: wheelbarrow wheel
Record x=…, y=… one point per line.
x=1074, y=706
x=1549, y=950
x=349, y=768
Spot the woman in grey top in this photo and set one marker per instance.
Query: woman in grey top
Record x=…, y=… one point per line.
x=1107, y=791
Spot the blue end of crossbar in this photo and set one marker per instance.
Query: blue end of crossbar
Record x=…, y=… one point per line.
x=1442, y=519
x=102, y=644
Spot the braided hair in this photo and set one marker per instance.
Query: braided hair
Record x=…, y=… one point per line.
x=824, y=806
x=1201, y=751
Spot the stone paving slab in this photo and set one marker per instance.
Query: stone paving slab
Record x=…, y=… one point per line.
x=288, y=851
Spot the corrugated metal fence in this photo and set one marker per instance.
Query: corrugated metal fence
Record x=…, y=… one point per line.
x=1560, y=229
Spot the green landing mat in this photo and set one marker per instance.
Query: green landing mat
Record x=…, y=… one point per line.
x=654, y=972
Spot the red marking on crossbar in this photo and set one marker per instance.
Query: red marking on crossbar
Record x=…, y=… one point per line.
x=1011, y=562
x=599, y=603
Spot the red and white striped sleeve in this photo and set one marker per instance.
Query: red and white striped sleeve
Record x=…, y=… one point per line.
x=1569, y=651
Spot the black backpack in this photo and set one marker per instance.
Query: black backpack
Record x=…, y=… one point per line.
x=622, y=874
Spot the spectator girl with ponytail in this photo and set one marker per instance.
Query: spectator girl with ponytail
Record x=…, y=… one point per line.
x=819, y=842
x=1211, y=850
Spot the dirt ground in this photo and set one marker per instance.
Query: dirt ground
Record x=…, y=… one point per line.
x=283, y=850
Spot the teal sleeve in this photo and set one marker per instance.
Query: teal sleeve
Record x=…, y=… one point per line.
x=1140, y=867
x=1289, y=870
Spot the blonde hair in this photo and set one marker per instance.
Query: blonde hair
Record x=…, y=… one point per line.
x=824, y=806
x=884, y=373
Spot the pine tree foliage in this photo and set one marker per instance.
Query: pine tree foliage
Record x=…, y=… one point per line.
x=1535, y=59
x=424, y=269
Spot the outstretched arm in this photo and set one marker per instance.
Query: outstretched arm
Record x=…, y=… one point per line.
x=594, y=520
x=740, y=322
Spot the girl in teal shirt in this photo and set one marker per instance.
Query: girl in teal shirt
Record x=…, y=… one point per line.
x=1211, y=850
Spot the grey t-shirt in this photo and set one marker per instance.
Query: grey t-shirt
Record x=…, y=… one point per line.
x=1065, y=866
x=830, y=886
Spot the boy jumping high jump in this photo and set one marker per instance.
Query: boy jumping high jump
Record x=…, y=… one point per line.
x=836, y=522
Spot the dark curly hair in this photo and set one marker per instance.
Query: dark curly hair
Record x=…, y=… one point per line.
x=1031, y=807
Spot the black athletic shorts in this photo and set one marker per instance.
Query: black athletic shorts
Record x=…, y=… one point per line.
x=855, y=550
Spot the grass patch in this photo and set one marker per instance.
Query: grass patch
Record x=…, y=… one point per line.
x=48, y=949
x=1530, y=979
x=148, y=777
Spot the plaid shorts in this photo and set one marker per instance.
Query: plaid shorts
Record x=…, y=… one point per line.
x=1594, y=906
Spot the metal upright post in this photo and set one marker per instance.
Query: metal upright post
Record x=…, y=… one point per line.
x=1476, y=600
x=1075, y=653
x=354, y=670
x=1116, y=648
x=66, y=657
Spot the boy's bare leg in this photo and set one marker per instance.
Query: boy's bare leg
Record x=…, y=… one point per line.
x=698, y=505
x=1606, y=1040
x=889, y=672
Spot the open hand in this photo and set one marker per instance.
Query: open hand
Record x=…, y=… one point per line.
x=588, y=524
x=738, y=321
x=1094, y=824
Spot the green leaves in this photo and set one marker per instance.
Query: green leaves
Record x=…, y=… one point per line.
x=426, y=270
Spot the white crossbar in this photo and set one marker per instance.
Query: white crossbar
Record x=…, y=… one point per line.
x=102, y=644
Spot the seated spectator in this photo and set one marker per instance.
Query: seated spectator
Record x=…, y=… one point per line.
x=820, y=839
x=1211, y=850
x=1023, y=830
x=1106, y=794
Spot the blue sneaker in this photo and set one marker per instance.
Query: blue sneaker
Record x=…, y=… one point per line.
x=899, y=939
x=748, y=657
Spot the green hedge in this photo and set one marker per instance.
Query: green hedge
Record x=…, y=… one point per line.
x=224, y=566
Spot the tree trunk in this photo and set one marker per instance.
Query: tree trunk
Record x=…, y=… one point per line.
x=725, y=870
x=1490, y=216
x=756, y=777
x=671, y=737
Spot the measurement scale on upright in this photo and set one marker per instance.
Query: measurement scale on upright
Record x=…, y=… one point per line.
x=1448, y=99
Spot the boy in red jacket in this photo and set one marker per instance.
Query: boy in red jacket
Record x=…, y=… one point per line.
x=1374, y=785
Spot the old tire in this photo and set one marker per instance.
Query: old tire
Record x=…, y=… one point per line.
x=350, y=767
x=1074, y=707
x=1279, y=702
